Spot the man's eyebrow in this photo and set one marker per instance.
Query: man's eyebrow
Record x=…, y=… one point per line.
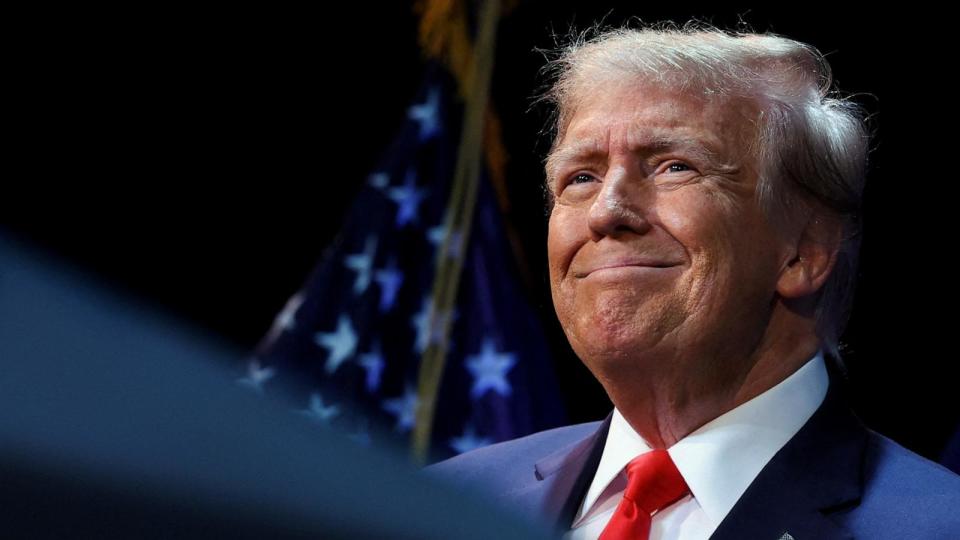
x=581, y=150
x=588, y=149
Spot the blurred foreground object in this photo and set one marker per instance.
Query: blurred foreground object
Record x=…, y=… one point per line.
x=118, y=422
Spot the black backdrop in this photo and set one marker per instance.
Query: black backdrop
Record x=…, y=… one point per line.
x=203, y=160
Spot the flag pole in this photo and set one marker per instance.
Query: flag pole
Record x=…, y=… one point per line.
x=458, y=218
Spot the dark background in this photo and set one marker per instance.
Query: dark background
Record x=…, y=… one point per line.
x=203, y=161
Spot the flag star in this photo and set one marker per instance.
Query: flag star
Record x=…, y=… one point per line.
x=421, y=323
x=436, y=236
x=362, y=264
x=319, y=411
x=489, y=370
x=257, y=375
x=379, y=180
x=341, y=343
x=373, y=363
x=427, y=114
x=404, y=408
x=408, y=198
x=430, y=331
x=469, y=441
x=389, y=279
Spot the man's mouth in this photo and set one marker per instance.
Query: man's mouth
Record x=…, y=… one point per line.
x=626, y=266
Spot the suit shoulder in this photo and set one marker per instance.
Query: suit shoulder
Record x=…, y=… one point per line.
x=891, y=465
x=899, y=482
x=509, y=458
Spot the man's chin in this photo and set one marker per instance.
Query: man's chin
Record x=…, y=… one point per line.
x=614, y=354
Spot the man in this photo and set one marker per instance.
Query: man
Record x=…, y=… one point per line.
x=703, y=238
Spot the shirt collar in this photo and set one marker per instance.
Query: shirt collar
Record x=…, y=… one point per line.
x=721, y=458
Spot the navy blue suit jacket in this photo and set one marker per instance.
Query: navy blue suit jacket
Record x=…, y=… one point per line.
x=834, y=479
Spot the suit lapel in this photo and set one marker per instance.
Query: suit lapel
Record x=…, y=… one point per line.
x=817, y=473
x=562, y=478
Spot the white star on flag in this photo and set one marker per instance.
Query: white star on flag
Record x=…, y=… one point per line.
x=319, y=411
x=379, y=180
x=404, y=408
x=362, y=264
x=408, y=198
x=256, y=375
x=426, y=114
x=389, y=279
x=373, y=363
x=489, y=370
x=469, y=441
x=341, y=344
x=428, y=333
x=436, y=236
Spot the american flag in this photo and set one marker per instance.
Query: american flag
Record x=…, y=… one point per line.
x=348, y=345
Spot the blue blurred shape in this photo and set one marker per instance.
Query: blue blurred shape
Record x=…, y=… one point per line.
x=116, y=421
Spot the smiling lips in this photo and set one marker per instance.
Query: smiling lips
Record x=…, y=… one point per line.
x=627, y=263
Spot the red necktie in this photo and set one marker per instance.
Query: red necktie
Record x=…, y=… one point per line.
x=653, y=483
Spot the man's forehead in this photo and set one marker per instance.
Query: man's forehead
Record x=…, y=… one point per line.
x=658, y=120
x=643, y=140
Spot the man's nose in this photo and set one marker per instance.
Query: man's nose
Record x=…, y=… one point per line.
x=620, y=206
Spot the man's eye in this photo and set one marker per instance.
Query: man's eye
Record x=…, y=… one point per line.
x=581, y=179
x=678, y=167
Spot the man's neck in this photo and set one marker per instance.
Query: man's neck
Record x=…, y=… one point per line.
x=667, y=405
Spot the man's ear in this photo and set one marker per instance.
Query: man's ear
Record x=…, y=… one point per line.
x=812, y=254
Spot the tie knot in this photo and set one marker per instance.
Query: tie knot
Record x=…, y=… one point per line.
x=653, y=481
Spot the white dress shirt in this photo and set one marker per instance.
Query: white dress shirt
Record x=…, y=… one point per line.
x=718, y=461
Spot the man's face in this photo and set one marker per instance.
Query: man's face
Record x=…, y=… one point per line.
x=657, y=248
